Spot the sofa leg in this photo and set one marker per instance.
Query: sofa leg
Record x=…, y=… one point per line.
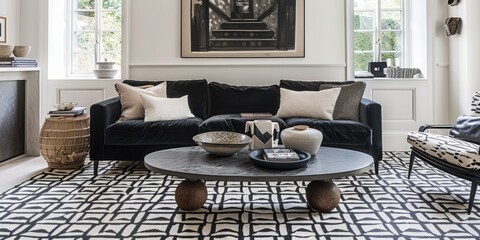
x=377, y=163
x=472, y=196
x=410, y=166
x=95, y=167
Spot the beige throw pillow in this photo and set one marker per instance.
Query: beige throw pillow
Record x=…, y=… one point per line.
x=132, y=106
x=164, y=109
x=310, y=104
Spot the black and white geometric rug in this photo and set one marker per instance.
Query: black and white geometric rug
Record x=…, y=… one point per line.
x=127, y=201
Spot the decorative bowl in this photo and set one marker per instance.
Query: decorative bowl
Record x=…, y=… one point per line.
x=222, y=143
x=6, y=51
x=65, y=106
x=105, y=73
x=105, y=65
x=21, y=51
x=257, y=158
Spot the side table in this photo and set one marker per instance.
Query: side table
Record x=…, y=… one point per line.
x=64, y=141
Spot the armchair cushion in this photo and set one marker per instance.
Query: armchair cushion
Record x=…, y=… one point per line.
x=452, y=150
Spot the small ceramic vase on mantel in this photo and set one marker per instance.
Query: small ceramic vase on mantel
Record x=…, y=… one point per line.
x=302, y=138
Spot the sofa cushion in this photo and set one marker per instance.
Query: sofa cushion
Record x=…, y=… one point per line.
x=309, y=85
x=139, y=132
x=454, y=151
x=132, y=107
x=229, y=99
x=337, y=132
x=307, y=104
x=231, y=122
x=348, y=100
x=164, y=109
x=197, y=91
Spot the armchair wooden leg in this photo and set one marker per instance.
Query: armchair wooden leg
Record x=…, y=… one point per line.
x=472, y=196
x=410, y=166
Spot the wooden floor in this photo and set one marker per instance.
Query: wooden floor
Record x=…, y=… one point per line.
x=16, y=171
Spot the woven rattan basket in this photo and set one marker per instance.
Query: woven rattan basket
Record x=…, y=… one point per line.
x=64, y=141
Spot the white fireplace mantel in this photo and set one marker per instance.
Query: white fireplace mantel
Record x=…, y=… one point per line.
x=31, y=76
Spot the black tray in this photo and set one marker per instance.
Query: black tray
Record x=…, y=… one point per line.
x=257, y=158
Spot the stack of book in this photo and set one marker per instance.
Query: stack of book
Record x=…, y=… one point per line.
x=69, y=113
x=18, y=62
x=280, y=155
x=256, y=115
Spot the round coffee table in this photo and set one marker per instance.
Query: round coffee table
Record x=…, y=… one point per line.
x=196, y=166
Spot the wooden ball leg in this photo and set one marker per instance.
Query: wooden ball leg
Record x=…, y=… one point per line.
x=191, y=195
x=323, y=196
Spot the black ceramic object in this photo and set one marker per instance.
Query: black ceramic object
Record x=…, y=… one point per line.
x=258, y=159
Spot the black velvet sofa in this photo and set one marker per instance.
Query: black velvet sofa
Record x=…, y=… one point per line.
x=216, y=107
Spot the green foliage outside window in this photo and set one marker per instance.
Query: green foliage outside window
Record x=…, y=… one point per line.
x=391, y=33
x=90, y=28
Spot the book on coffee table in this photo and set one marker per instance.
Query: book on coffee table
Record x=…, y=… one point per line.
x=280, y=155
x=256, y=115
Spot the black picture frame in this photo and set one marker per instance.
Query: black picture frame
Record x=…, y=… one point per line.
x=3, y=30
x=243, y=29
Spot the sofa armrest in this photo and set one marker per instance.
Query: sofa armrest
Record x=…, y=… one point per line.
x=425, y=127
x=370, y=113
x=102, y=115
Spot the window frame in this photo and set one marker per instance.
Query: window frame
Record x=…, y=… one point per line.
x=377, y=34
x=98, y=32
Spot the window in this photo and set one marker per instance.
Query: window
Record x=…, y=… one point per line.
x=378, y=32
x=95, y=34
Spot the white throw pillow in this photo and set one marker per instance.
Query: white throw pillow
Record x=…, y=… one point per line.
x=163, y=109
x=132, y=107
x=309, y=104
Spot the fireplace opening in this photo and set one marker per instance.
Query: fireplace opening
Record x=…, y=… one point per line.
x=12, y=119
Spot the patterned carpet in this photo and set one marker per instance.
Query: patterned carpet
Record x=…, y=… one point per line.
x=128, y=201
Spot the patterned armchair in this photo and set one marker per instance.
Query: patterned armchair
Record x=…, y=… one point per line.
x=457, y=157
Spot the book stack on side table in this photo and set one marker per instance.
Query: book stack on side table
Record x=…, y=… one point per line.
x=18, y=62
x=280, y=155
x=77, y=111
x=256, y=115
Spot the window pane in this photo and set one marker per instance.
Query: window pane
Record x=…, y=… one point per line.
x=391, y=41
x=363, y=21
x=86, y=4
x=84, y=62
x=112, y=57
x=111, y=41
x=391, y=3
x=363, y=41
x=394, y=58
x=361, y=61
x=364, y=4
x=85, y=21
x=85, y=42
x=112, y=4
x=391, y=20
x=111, y=21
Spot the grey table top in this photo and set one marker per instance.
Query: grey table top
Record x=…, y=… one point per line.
x=196, y=163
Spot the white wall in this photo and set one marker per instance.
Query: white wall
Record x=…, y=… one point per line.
x=464, y=58
x=155, y=39
x=11, y=10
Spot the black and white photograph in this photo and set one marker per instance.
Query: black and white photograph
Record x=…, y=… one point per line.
x=243, y=28
x=3, y=29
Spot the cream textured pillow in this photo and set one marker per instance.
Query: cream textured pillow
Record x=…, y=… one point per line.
x=132, y=107
x=310, y=104
x=163, y=109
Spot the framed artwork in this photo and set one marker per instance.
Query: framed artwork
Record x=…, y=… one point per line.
x=243, y=28
x=3, y=29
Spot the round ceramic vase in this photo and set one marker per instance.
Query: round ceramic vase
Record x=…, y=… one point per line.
x=302, y=138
